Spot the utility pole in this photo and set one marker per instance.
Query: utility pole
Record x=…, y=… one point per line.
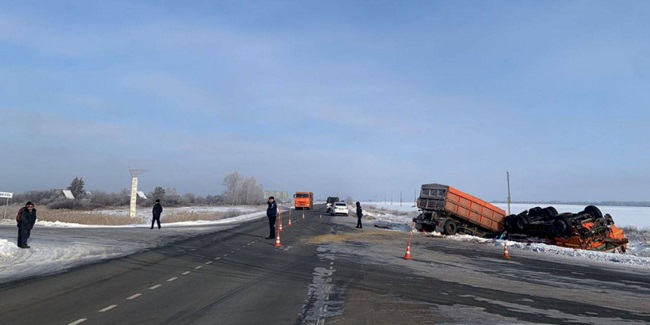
x=508, y=177
x=400, y=198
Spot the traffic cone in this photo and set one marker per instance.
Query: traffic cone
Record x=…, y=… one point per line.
x=321, y=216
x=289, y=224
x=407, y=256
x=505, y=251
x=280, y=227
x=277, y=240
x=303, y=213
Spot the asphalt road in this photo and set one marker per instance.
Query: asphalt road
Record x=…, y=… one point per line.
x=326, y=271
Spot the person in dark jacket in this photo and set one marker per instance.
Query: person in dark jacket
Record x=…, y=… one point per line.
x=272, y=214
x=25, y=224
x=156, y=211
x=359, y=215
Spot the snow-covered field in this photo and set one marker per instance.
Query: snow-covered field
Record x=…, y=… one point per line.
x=51, y=252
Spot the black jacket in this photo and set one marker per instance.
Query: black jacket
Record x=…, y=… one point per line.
x=28, y=218
x=272, y=210
x=359, y=211
x=157, y=210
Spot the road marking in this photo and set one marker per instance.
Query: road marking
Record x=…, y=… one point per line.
x=186, y=272
x=327, y=297
x=233, y=252
x=172, y=279
x=208, y=262
x=224, y=255
x=155, y=287
x=78, y=321
x=217, y=258
x=134, y=296
x=108, y=308
x=198, y=267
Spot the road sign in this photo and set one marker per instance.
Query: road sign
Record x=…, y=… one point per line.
x=6, y=195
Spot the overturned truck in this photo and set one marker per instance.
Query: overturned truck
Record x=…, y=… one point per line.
x=450, y=211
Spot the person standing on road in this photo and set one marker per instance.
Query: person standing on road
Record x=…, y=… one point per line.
x=25, y=224
x=272, y=214
x=156, y=211
x=359, y=215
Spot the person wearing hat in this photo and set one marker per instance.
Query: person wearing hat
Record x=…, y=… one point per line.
x=156, y=211
x=272, y=214
x=26, y=222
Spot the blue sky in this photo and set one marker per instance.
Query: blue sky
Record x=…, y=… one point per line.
x=349, y=98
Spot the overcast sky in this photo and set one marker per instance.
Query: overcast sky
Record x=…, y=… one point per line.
x=348, y=98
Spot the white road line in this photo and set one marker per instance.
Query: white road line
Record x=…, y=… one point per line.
x=217, y=258
x=208, y=262
x=198, y=267
x=107, y=308
x=172, y=279
x=224, y=255
x=155, y=287
x=134, y=296
x=327, y=297
x=78, y=321
x=186, y=272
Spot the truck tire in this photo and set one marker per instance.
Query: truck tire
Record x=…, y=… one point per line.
x=450, y=228
x=562, y=225
x=522, y=222
x=510, y=223
x=594, y=212
x=550, y=212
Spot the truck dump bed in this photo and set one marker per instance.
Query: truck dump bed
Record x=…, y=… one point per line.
x=442, y=198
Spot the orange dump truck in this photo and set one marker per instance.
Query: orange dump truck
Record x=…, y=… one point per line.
x=304, y=200
x=448, y=211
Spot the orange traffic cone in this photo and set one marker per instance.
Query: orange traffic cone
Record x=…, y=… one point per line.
x=407, y=256
x=280, y=227
x=505, y=251
x=277, y=240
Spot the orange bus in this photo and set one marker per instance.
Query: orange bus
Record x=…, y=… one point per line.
x=304, y=200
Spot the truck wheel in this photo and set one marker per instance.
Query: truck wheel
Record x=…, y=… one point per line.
x=594, y=212
x=510, y=223
x=562, y=225
x=450, y=228
x=522, y=222
x=550, y=211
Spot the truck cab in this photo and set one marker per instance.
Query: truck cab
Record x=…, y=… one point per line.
x=304, y=200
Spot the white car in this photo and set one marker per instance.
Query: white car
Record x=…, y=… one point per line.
x=340, y=208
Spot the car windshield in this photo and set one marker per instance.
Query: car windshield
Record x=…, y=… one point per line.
x=302, y=196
